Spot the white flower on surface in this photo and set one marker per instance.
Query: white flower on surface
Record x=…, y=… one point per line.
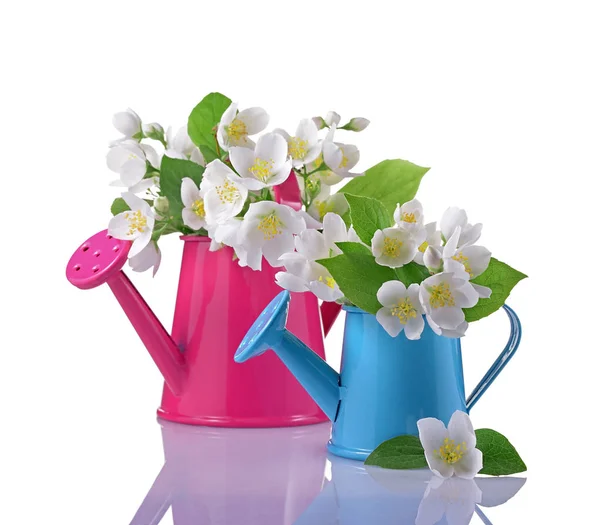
x=443, y=296
x=224, y=193
x=393, y=247
x=451, y=451
x=130, y=160
x=454, y=217
x=235, y=127
x=129, y=124
x=409, y=216
x=454, y=498
x=302, y=272
x=135, y=225
x=267, y=165
x=340, y=158
x=268, y=229
x=149, y=257
x=304, y=147
x=180, y=146
x=401, y=309
x=194, y=207
x=433, y=238
x=468, y=262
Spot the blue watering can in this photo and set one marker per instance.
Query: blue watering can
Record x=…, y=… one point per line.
x=386, y=384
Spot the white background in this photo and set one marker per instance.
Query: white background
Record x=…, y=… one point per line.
x=501, y=99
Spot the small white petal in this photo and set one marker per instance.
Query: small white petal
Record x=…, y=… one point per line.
x=256, y=119
x=140, y=242
x=452, y=218
x=460, y=429
x=290, y=282
x=390, y=323
x=189, y=192
x=483, y=291
x=192, y=220
x=390, y=293
x=469, y=465
x=414, y=327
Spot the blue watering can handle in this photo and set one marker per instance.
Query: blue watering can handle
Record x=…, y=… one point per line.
x=503, y=358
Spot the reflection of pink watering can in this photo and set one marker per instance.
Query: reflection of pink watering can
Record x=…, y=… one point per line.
x=217, y=302
x=229, y=476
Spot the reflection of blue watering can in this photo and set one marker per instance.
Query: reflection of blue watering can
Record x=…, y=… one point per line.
x=359, y=495
x=386, y=384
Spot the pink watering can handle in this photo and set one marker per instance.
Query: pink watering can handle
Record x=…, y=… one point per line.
x=99, y=260
x=288, y=193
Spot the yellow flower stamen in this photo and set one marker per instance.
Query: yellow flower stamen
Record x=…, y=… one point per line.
x=408, y=217
x=198, y=208
x=298, y=148
x=391, y=246
x=404, y=310
x=464, y=261
x=261, y=169
x=318, y=161
x=449, y=452
x=137, y=222
x=321, y=207
x=270, y=225
x=441, y=296
x=344, y=161
x=237, y=130
x=228, y=192
x=329, y=281
x=423, y=247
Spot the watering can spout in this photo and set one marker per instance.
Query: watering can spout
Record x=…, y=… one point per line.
x=313, y=373
x=99, y=260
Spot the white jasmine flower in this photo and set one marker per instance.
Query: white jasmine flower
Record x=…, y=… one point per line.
x=302, y=272
x=129, y=124
x=433, y=238
x=340, y=158
x=135, y=225
x=180, y=146
x=304, y=147
x=149, y=257
x=268, y=229
x=432, y=259
x=401, y=309
x=194, y=210
x=228, y=234
x=454, y=217
x=235, y=127
x=224, y=193
x=451, y=450
x=443, y=296
x=154, y=131
x=332, y=118
x=454, y=498
x=130, y=160
x=356, y=124
x=468, y=262
x=319, y=122
x=323, y=204
x=409, y=216
x=267, y=165
x=393, y=247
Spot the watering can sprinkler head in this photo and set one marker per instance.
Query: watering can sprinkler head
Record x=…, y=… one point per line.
x=100, y=260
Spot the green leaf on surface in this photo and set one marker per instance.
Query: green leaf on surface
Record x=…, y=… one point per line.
x=359, y=276
x=204, y=117
x=499, y=456
x=402, y=452
x=368, y=215
x=412, y=273
x=501, y=278
x=390, y=182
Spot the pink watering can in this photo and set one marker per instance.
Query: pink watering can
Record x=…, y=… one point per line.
x=217, y=302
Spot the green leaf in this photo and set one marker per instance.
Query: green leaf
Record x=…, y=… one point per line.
x=368, y=215
x=391, y=182
x=204, y=117
x=118, y=206
x=412, y=273
x=402, y=452
x=359, y=277
x=499, y=457
x=501, y=278
x=353, y=247
x=172, y=172
x=209, y=154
